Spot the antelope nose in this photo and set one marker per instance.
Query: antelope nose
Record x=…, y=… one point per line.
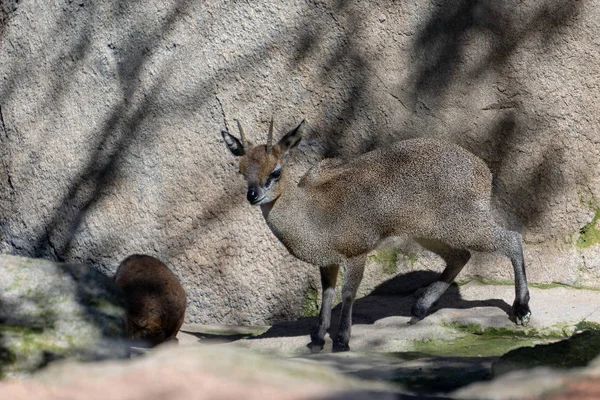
x=253, y=195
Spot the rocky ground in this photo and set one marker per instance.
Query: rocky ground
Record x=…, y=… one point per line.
x=454, y=353
x=455, y=346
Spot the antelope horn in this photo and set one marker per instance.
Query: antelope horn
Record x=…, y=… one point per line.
x=270, y=137
x=242, y=135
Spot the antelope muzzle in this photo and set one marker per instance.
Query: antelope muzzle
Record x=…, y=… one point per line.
x=254, y=195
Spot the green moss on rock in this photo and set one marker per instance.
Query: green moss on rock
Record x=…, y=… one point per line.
x=478, y=341
x=412, y=258
x=589, y=235
x=310, y=303
x=556, y=332
x=552, y=285
x=471, y=346
x=587, y=326
x=484, y=281
x=26, y=348
x=7, y=358
x=387, y=259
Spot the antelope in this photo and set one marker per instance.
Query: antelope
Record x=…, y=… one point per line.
x=435, y=192
x=155, y=300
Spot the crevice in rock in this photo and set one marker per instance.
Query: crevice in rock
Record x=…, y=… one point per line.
x=222, y=113
x=5, y=153
x=2, y=125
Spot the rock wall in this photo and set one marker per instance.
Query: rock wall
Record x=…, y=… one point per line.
x=110, y=113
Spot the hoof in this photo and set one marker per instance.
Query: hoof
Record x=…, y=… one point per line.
x=524, y=320
x=522, y=314
x=316, y=346
x=417, y=314
x=339, y=347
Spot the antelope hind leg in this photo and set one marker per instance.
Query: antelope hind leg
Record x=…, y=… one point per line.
x=455, y=261
x=509, y=243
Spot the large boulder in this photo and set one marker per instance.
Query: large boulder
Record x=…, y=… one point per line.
x=110, y=114
x=51, y=311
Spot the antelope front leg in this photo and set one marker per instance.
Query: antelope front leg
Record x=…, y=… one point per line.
x=328, y=281
x=353, y=273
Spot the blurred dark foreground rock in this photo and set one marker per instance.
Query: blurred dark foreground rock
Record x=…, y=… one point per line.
x=541, y=383
x=194, y=372
x=207, y=372
x=577, y=351
x=51, y=311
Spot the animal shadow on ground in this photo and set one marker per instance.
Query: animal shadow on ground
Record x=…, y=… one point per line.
x=215, y=338
x=393, y=298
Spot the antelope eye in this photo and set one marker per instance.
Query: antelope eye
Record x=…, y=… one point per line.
x=273, y=177
x=275, y=174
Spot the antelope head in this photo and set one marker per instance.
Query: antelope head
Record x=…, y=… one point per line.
x=262, y=166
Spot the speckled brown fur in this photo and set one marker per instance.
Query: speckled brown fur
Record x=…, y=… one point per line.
x=433, y=191
x=155, y=299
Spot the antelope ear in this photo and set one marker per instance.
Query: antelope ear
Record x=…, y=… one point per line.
x=234, y=145
x=291, y=139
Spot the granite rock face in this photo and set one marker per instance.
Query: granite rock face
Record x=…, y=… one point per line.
x=110, y=114
x=51, y=311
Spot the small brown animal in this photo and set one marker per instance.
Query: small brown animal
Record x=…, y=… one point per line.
x=433, y=191
x=155, y=299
